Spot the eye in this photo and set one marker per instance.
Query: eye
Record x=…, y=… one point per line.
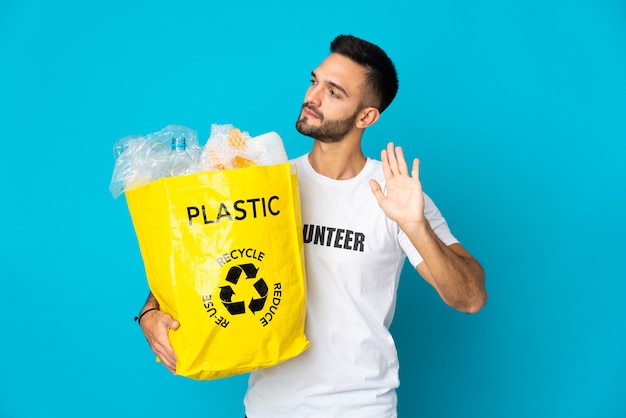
x=313, y=81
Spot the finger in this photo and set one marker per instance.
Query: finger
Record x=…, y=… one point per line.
x=162, y=344
x=169, y=365
x=393, y=162
x=400, y=161
x=166, y=354
x=384, y=158
x=377, y=190
x=168, y=362
x=415, y=174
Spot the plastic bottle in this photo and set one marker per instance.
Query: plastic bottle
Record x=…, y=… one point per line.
x=274, y=149
x=178, y=161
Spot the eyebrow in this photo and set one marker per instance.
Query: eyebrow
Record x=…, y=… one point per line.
x=335, y=85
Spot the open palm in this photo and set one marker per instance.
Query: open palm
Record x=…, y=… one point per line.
x=404, y=201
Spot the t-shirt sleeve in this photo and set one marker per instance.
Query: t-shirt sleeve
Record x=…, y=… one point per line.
x=438, y=225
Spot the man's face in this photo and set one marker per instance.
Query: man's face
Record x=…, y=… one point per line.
x=333, y=101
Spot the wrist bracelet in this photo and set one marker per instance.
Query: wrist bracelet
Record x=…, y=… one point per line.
x=138, y=318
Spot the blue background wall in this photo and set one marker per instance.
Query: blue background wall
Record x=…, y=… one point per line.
x=517, y=110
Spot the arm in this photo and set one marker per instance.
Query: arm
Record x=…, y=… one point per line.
x=155, y=326
x=451, y=270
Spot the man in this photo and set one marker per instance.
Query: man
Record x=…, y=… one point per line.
x=351, y=367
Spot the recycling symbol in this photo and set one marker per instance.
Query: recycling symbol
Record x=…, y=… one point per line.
x=227, y=292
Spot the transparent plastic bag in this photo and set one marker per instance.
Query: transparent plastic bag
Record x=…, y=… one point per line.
x=142, y=159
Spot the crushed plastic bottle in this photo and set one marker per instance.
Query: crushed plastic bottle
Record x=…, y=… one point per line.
x=141, y=159
x=178, y=161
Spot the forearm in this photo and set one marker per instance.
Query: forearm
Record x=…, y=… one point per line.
x=151, y=302
x=453, y=272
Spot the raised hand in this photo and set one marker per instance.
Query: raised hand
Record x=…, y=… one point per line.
x=404, y=199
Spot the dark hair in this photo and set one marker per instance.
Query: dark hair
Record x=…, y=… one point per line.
x=381, y=73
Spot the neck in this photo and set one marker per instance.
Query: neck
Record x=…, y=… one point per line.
x=341, y=160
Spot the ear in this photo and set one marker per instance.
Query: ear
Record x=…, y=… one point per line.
x=367, y=117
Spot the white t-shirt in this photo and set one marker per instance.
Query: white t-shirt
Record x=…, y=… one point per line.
x=354, y=256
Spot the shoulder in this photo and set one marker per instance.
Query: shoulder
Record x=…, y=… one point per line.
x=375, y=164
x=374, y=170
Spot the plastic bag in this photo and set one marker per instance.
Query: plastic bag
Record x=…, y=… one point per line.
x=143, y=159
x=223, y=254
x=140, y=159
x=221, y=245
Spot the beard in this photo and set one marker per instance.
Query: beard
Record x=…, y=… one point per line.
x=328, y=131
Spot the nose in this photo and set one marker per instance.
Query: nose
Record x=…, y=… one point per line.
x=313, y=95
